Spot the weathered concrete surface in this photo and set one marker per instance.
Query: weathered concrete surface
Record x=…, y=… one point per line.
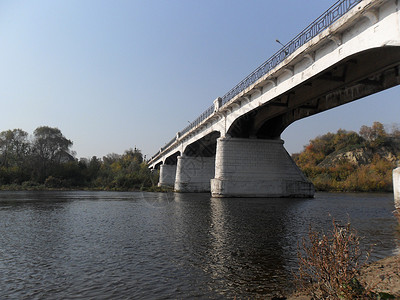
x=257, y=168
x=193, y=174
x=167, y=175
x=396, y=187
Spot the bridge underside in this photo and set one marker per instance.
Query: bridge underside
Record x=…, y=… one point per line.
x=353, y=78
x=196, y=166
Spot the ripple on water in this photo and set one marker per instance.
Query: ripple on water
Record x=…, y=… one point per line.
x=101, y=245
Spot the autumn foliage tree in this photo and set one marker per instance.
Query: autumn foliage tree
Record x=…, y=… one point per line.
x=375, y=135
x=347, y=161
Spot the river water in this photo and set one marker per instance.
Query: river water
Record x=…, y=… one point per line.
x=113, y=245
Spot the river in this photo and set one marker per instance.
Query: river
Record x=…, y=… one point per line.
x=114, y=245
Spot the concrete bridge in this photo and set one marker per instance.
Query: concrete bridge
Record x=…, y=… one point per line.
x=233, y=149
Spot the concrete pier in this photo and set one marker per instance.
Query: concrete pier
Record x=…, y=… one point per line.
x=193, y=174
x=167, y=175
x=396, y=187
x=257, y=168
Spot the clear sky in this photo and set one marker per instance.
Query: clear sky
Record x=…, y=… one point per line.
x=112, y=75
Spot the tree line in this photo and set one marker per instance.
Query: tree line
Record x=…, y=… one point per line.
x=341, y=161
x=45, y=160
x=351, y=161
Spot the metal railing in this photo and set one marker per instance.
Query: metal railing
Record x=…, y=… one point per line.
x=208, y=112
x=324, y=21
x=331, y=15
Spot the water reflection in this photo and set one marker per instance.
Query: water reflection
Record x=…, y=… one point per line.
x=249, y=243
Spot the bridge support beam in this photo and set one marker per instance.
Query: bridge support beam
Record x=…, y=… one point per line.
x=257, y=168
x=193, y=174
x=396, y=187
x=167, y=175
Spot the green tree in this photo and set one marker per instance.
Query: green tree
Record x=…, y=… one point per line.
x=344, y=139
x=47, y=159
x=14, y=147
x=93, y=168
x=50, y=148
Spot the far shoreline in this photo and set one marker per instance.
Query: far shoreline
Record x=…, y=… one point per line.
x=42, y=187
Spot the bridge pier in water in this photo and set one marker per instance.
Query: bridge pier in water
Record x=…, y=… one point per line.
x=167, y=175
x=193, y=173
x=257, y=168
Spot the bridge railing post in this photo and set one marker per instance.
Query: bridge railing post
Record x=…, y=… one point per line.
x=217, y=104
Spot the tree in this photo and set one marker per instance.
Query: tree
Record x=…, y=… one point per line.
x=94, y=166
x=14, y=146
x=50, y=144
x=378, y=132
x=50, y=148
x=375, y=135
x=344, y=139
x=366, y=132
x=395, y=131
x=111, y=158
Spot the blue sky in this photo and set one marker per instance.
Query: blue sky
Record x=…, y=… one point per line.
x=112, y=75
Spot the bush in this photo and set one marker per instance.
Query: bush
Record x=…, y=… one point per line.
x=53, y=182
x=329, y=264
x=31, y=185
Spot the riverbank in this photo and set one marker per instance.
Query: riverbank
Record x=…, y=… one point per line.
x=376, y=280
x=43, y=187
x=33, y=186
x=382, y=276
